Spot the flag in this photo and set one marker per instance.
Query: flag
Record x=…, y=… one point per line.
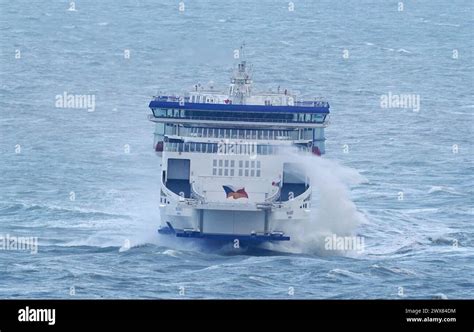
x=234, y=192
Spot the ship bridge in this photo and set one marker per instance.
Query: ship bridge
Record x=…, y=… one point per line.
x=207, y=115
x=178, y=118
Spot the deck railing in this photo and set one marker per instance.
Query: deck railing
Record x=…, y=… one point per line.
x=186, y=99
x=240, y=119
x=235, y=149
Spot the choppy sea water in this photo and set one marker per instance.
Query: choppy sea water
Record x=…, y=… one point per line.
x=86, y=183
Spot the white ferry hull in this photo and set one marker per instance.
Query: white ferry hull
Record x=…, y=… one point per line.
x=228, y=170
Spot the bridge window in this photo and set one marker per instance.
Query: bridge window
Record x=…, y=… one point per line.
x=318, y=117
x=158, y=112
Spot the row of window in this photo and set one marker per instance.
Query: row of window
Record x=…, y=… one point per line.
x=230, y=149
x=234, y=133
x=239, y=116
x=203, y=99
x=246, y=168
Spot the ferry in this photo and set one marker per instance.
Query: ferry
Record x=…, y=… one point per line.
x=226, y=173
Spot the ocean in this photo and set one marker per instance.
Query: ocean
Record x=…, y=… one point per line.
x=84, y=181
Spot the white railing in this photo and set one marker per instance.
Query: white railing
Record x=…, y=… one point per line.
x=297, y=200
x=251, y=149
x=196, y=194
x=172, y=196
x=248, y=134
x=273, y=196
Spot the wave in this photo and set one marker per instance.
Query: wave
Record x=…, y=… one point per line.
x=344, y=273
x=442, y=240
x=391, y=270
x=448, y=25
x=442, y=189
x=409, y=248
x=456, y=239
x=23, y=207
x=421, y=210
x=261, y=281
x=170, y=252
x=334, y=211
x=402, y=50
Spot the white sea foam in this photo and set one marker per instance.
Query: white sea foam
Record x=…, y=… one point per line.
x=448, y=25
x=334, y=273
x=333, y=211
x=170, y=252
x=402, y=50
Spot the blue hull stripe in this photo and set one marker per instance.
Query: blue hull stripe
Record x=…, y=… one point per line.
x=224, y=237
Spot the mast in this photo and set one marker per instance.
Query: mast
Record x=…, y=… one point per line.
x=241, y=82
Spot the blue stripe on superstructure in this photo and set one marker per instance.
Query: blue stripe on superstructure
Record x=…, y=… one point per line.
x=238, y=108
